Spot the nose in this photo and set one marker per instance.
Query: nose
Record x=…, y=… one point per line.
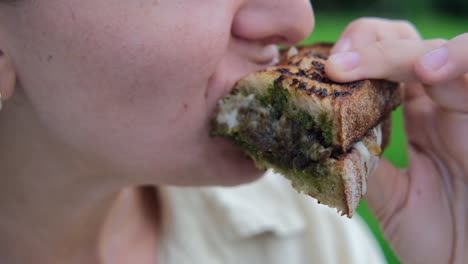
x=285, y=22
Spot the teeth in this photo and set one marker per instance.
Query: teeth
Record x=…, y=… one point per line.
x=274, y=61
x=269, y=55
x=292, y=52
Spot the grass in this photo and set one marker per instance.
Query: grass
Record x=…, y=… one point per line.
x=431, y=25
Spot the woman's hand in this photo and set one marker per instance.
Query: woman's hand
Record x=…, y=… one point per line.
x=423, y=210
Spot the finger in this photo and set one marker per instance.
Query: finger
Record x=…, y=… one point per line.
x=444, y=63
x=7, y=76
x=413, y=91
x=451, y=95
x=364, y=31
x=391, y=59
x=419, y=108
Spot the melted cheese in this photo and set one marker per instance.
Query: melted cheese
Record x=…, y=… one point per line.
x=363, y=150
x=229, y=118
x=378, y=134
x=229, y=111
x=367, y=154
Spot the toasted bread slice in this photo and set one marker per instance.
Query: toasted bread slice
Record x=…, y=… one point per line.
x=345, y=182
x=351, y=109
x=326, y=137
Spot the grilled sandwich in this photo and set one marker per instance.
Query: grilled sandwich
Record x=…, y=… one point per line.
x=326, y=137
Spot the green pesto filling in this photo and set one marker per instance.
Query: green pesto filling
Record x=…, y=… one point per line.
x=277, y=134
x=276, y=99
x=326, y=127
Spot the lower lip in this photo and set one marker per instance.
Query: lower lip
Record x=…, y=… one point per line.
x=230, y=148
x=233, y=152
x=226, y=155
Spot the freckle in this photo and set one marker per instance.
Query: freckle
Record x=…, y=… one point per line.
x=72, y=13
x=418, y=192
x=49, y=58
x=186, y=107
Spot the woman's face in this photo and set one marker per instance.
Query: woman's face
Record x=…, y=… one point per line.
x=133, y=84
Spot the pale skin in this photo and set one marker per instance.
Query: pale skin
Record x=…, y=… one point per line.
x=100, y=96
x=116, y=94
x=422, y=209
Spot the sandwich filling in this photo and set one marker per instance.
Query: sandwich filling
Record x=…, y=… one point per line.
x=277, y=134
x=271, y=129
x=324, y=136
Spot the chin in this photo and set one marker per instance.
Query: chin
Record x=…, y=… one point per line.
x=229, y=166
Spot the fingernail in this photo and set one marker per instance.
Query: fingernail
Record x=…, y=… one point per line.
x=435, y=59
x=346, y=61
x=342, y=45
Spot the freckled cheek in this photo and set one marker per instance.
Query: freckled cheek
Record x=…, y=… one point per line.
x=150, y=55
x=167, y=74
x=146, y=85
x=141, y=75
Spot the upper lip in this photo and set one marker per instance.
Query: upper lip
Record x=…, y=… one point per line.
x=255, y=56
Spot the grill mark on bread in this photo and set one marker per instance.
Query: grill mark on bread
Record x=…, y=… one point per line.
x=320, y=78
x=284, y=71
x=322, y=92
x=302, y=73
x=280, y=79
x=300, y=81
x=319, y=66
x=336, y=93
x=354, y=85
x=302, y=86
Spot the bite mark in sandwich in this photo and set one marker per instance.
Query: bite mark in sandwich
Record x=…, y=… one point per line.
x=326, y=137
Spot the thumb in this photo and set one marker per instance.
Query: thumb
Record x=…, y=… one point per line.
x=387, y=191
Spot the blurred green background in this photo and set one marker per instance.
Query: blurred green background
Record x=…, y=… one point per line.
x=433, y=18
